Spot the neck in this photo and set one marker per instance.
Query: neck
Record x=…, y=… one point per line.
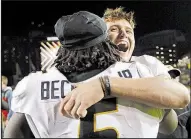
x=126, y=58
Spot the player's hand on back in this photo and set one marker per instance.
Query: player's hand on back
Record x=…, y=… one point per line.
x=76, y=103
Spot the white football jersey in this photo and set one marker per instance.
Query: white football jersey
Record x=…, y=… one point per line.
x=39, y=94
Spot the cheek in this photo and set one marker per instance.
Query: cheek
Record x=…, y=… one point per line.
x=132, y=39
x=112, y=37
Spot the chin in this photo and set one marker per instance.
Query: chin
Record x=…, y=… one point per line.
x=125, y=56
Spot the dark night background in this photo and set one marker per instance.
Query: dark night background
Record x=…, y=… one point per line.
x=18, y=18
x=151, y=16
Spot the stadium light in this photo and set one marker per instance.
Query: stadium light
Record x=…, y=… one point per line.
x=174, y=45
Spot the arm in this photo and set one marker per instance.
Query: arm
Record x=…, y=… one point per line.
x=9, y=114
x=169, y=123
x=167, y=92
x=9, y=102
x=18, y=127
x=5, y=105
x=159, y=92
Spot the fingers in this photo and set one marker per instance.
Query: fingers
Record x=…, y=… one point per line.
x=74, y=105
x=82, y=110
x=74, y=110
x=69, y=105
x=63, y=103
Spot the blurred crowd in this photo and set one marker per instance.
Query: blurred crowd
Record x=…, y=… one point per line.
x=6, y=93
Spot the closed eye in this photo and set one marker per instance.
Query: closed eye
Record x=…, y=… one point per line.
x=128, y=31
x=112, y=29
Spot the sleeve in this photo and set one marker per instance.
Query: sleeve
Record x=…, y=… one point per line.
x=19, y=94
x=18, y=127
x=9, y=102
x=4, y=105
x=10, y=114
x=156, y=66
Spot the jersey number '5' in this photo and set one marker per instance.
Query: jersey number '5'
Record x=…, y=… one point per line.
x=88, y=124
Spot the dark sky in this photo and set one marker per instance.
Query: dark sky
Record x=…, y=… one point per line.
x=150, y=16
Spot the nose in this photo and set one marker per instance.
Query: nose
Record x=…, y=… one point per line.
x=123, y=34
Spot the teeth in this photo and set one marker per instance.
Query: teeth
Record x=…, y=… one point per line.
x=122, y=43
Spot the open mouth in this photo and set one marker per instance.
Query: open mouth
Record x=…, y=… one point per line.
x=122, y=47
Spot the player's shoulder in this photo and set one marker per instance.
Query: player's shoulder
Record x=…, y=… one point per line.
x=49, y=73
x=36, y=77
x=26, y=78
x=144, y=59
x=21, y=85
x=149, y=61
x=52, y=74
x=34, y=74
x=119, y=65
x=153, y=64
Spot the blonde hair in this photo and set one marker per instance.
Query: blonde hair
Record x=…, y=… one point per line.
x=4, y=80
x=118, y=14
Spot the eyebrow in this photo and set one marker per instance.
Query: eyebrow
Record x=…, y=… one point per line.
x=126, y=27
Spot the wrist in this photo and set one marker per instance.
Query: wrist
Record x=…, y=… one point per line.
x=95, y=86
x=105, y=84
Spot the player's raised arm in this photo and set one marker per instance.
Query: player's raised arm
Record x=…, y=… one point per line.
x=160, y=92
